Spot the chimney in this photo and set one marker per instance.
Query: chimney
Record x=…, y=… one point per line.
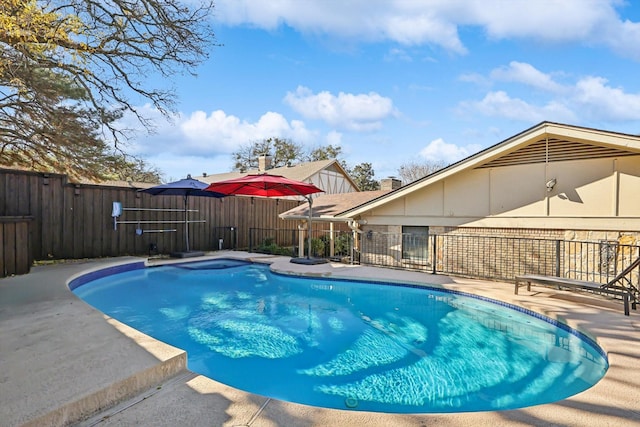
x=264, y=163
x=390, y=183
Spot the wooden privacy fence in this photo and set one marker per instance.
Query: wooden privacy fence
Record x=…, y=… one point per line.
x=75, y=220
x=15, y=245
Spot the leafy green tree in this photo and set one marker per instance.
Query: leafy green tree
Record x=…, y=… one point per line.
x=364, y=176
x=328, y=152
x=70, y=68
x=283, y=152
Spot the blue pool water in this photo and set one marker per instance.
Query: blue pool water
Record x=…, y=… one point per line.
x=350, y=344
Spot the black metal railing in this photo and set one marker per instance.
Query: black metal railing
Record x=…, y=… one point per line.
x=501, y=258
x=494, y=257
x=483, y=257
x=287, y=242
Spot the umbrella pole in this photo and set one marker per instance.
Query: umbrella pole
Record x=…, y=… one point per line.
x=186, y=222
x=309, y=228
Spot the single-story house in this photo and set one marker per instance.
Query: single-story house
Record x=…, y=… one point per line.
x=328, y=175
x=552, y=181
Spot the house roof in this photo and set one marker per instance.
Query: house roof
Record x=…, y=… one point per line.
x=329, y=205
x=545, y=142
x=300, y=172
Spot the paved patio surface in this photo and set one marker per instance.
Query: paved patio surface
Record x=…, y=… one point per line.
x=64, y=363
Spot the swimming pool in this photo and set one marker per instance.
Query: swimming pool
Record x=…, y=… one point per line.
x=348, y=344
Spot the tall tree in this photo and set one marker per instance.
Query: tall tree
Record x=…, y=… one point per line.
x=283, y=152
x=327, y=152
x=412, y=171
x=70, y=68
x=364, y=176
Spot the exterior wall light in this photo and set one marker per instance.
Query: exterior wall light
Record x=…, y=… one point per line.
x=550, y=184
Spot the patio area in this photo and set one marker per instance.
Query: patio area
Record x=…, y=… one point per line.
x=62, y=361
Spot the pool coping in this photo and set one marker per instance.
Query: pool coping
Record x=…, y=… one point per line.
x=614, y=400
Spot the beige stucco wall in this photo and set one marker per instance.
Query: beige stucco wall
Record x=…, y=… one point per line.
x=629, y=188
x=585, y=188
x=517, y=191
x=597, y=194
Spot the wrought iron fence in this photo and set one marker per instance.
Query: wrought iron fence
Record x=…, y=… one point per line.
x=495, y=257
x=324, y=243
x=500, y=258
x=485, y=257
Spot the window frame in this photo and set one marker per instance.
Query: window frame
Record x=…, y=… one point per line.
x=418, y=242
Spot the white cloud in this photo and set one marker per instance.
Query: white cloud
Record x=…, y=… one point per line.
x=589, y=99
x=438, y=151
x=218, y=133
x=558, y=21
x=201, y=142
x=408, y=23
x=500, y=104
x=623, y=39
x=417, y=25
x=361, y=112
x=602, y=102
x=524, y=73
x=334, y=138
x=438, y=22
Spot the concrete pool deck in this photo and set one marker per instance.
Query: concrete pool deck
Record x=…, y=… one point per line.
x=64, y=363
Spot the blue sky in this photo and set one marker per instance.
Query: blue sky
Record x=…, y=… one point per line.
x=393, y=82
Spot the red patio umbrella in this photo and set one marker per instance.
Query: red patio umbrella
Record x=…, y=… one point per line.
x=267, y=185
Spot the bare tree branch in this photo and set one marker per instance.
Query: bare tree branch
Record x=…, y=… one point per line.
x=70, y=68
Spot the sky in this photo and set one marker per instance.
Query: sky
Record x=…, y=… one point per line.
x=398, y=81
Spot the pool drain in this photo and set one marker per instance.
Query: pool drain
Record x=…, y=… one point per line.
x=351, y=402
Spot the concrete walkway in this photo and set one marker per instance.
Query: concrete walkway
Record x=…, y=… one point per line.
x=64, y=363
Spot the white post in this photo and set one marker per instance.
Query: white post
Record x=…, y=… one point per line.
x=301, y=228
x=332, y=243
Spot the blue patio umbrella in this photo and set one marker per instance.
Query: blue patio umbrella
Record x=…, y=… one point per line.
x=185, y=188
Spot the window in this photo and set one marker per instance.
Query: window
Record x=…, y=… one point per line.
x=415, y=242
